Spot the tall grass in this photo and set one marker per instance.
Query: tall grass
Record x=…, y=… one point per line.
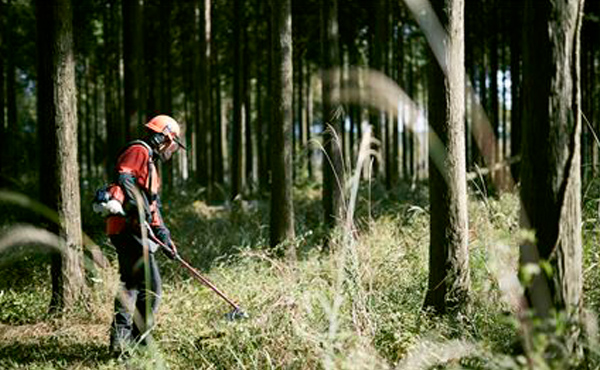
x=348, y=310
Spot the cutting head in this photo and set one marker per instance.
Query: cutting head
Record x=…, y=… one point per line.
x=236, y=314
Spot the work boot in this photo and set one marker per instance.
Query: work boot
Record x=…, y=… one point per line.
x=121, y=342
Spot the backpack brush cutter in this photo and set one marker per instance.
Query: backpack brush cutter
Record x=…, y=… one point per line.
x=237, y=312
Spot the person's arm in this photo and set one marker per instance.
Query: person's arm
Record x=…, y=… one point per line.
x=132, y=167
x=128, y=182
x=161, y=230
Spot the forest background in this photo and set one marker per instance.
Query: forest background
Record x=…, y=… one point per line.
x=381, y=184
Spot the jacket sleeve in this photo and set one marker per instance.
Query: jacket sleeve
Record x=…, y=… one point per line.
x=128, y=183
x=132, y=170
x=158, y=225
x=161, y=231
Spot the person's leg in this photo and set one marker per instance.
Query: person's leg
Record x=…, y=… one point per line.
x=148, y=299
x=122, y=325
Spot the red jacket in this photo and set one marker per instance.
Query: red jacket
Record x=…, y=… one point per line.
x=135, y=160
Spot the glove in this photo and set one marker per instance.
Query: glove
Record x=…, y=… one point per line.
x=114, y=207
x=164, y=235
x=171, y=250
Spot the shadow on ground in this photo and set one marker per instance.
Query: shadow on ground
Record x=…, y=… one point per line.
x=53, y=351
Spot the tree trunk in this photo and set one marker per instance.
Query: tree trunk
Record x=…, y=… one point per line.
x=515, y=91
x=88, y=120
x=165, y=77
x=309, y=120
x=301, y=108
x=333, y=171
x=412, y=92
x=550, y=176
x=237, y=173
x=449, y=256
x=217, y=144
x=282, y=205
x=115, y=129
x=3, y=11
x=10, y=171
x=94, y=152
x=376, y=51
x=262, y=78
x=57, y=109
x=203, y=102
x=132, y=62
x=247, y=98
x=493, y=106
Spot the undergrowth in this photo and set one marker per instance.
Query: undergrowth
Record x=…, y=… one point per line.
x=358, y=307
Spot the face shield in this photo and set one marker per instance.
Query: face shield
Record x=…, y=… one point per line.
x=167, y=149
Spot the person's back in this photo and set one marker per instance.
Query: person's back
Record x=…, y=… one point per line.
x=136, y=188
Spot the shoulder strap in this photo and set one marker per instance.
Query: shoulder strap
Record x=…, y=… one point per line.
x=142, y=143
x=150, y=156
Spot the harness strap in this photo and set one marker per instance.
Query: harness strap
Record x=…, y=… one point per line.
x=150, y=160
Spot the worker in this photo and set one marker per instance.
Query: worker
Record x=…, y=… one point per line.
x=134, y=204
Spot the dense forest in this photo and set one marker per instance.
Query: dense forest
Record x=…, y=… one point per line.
x=403, y=184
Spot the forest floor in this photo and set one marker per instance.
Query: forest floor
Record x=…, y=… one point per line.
x=357, y=307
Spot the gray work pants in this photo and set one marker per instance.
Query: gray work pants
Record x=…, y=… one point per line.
x=139, y=293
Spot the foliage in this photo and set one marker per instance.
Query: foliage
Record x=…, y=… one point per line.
x=359, y=307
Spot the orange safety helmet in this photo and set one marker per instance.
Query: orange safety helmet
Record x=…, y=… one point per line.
x=167, y=126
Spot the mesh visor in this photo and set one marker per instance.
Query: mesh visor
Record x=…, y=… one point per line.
x=169, y=150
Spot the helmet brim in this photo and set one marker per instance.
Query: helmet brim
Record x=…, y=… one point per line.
x=179, y=143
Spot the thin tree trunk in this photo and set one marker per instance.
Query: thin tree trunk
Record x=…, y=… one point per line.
x=268, y=120
x=333, y=171
x=282, y=205
x=115, y=129
x=132, y=62
x=376, y=62
x=309, y=119
x=88, y=119
x=237, y=174
x=354, y=112
x=95, y=153
x=217, y=132
x=204, y=136
x=247, y=98
x=262, y=78
x=11, y=93
x=3, y=11
x=411, y=133
x=494, y=107
x=449, y=257
x=57, y=105
x=301, y=106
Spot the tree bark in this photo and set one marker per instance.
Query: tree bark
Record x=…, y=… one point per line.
x=3, y=11
x=115, y=128
x=204, y=136
x=493, y=94
x=217, y=143
x=282, y=205
x=309, y=120
x=12, y=117
x=333, y=171
x=376, y=51
x=448, y=251
x=132, y=62
x=263, y=78
x=550, y=176
x=247, y=111
x=237, y=150
x=515, y=91
x=57, y=112
x=301, y=108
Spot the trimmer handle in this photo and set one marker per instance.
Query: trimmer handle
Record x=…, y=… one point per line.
x=194, y=272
